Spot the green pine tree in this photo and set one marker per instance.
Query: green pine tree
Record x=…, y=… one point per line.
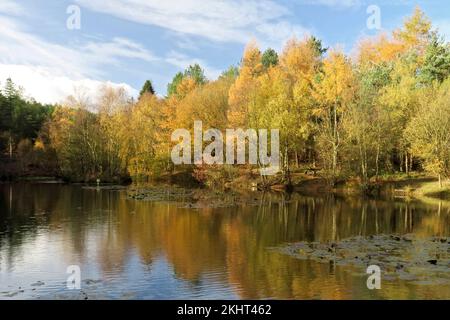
x=437, y=61
x=147, y=88
x=269, y=58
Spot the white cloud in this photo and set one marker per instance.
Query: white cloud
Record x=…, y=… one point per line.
x=45, y=86
x=216, y=20
x=343, y=4
x=335, y=3
x=108, y=52
x=19, y=47
x=277, y=34
x=182, y=61
x=10, y=7
x=49, y=71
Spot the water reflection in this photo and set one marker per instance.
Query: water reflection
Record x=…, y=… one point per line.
x=142, y=249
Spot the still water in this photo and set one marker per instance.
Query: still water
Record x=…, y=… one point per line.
x=131, y=249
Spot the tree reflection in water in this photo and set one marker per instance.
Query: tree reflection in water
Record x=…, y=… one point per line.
x=215, y=253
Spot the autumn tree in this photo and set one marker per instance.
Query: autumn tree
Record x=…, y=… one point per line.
x=400, y=97
x=285, y=97
x=384, y=110
x=242, y=92
x=428, y=131
x=415, y=33
x=208, y=103
x=183, y=83
x=414, y=36
x=334, y=92
x=144, y=155
x=367, y=125
x=75, y=137
x=112, y=103
x=85, y=136
x=378, y=50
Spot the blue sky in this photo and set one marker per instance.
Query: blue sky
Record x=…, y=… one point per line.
x=125, y=42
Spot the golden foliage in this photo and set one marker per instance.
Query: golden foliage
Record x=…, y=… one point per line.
x=307, y=95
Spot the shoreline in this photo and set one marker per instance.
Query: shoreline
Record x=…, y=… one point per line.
x=245, y=190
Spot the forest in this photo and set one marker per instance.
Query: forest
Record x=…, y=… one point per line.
x=382, y=109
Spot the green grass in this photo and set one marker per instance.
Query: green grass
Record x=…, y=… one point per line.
x=433, y=190
x=400, y=176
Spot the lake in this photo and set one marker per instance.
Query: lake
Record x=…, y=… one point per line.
x=132, y=249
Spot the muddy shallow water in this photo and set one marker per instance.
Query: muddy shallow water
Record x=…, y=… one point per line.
x=127, y=248
x=419, y=260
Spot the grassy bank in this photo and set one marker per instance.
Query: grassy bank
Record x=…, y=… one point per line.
x=245, y=179
x=419, y=186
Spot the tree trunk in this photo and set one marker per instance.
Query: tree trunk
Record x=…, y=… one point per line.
x=334, y=160
x=406, y=164
x=401, y=163
x=10, y=147
x=263, y=177
x=335, y=142
x=377, y=162
x=410, y=163
x=440, y=181
x=363, y=164
x=287, y=173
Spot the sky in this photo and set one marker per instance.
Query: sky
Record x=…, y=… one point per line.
x=53, y=49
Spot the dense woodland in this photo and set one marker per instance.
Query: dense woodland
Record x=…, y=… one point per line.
x=383, y=109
